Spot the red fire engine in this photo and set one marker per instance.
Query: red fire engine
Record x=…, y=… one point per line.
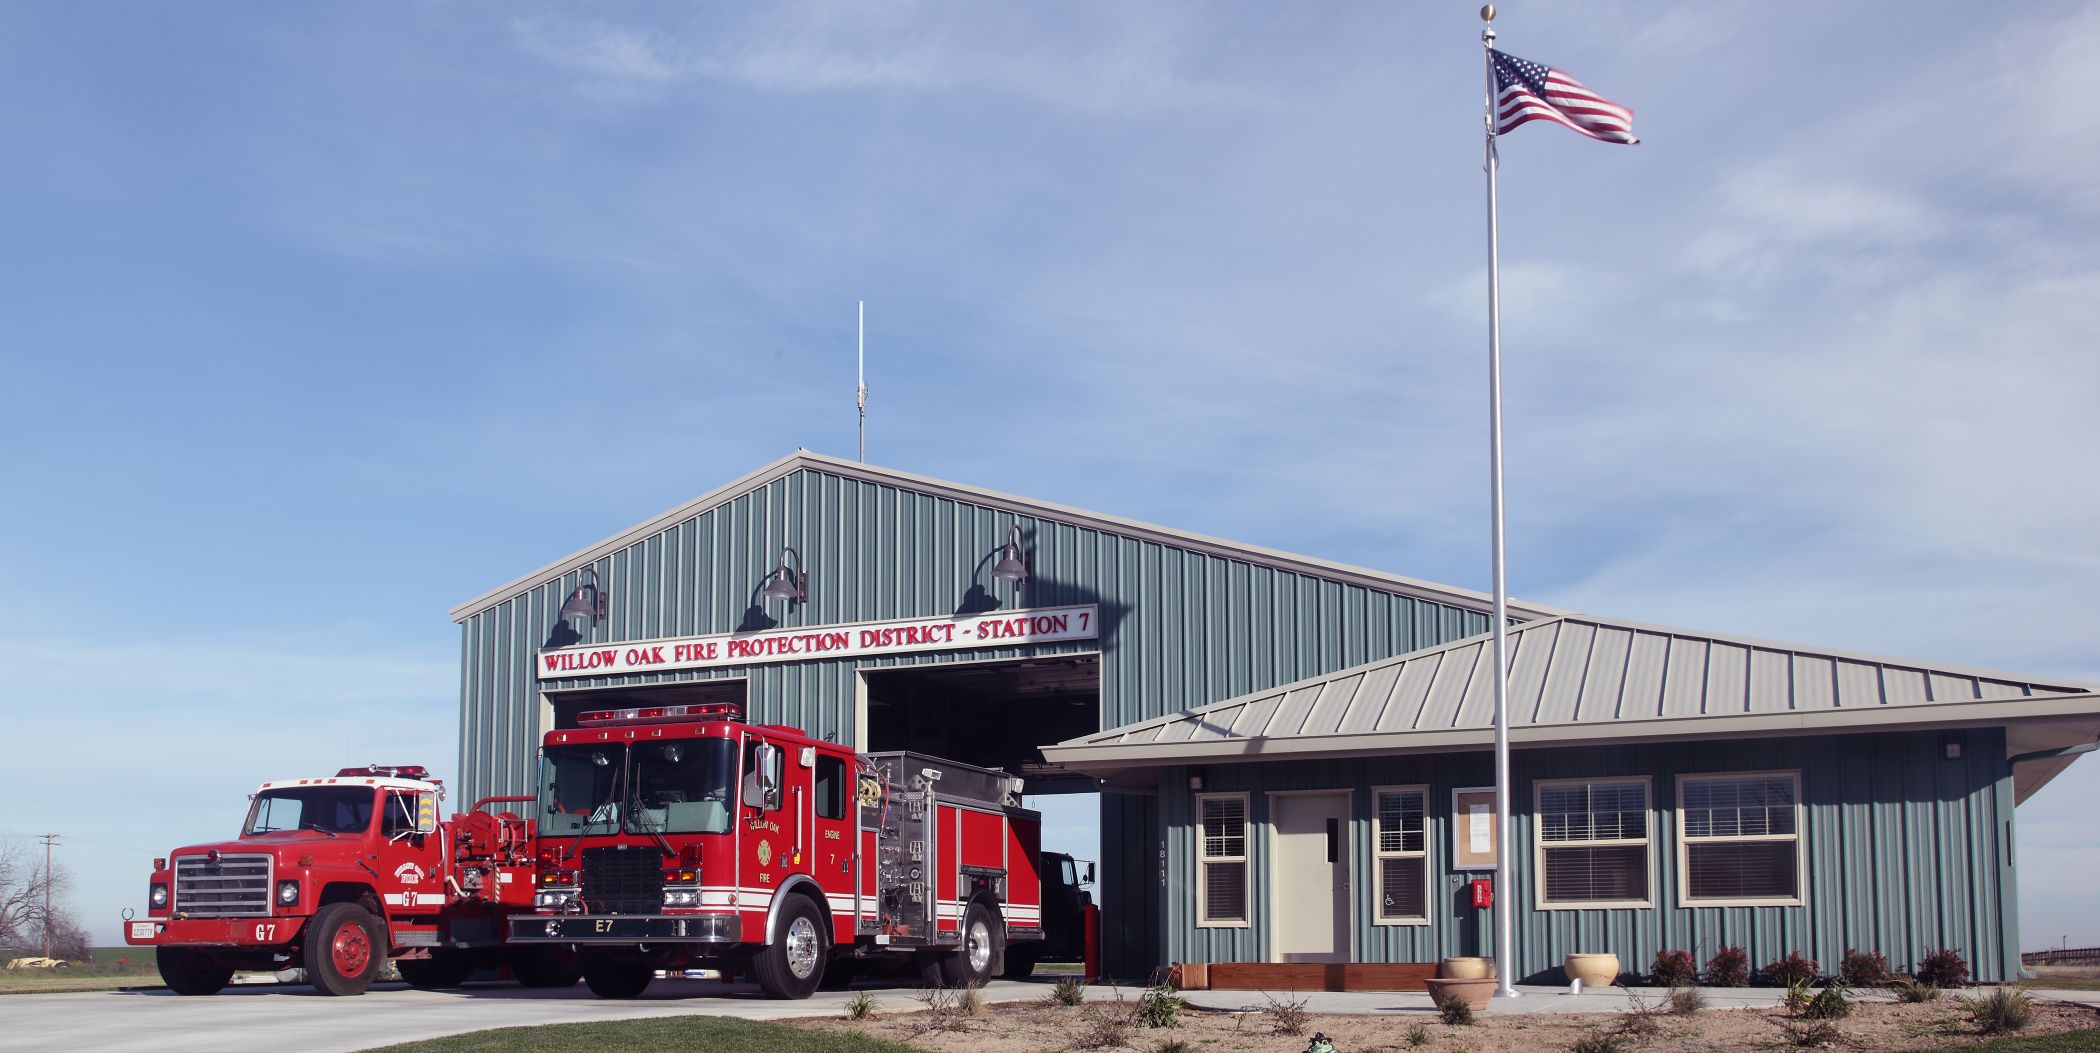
x=335, y=876
x=681, y=836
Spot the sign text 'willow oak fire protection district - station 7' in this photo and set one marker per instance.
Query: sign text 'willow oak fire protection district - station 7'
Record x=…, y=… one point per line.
x=997, y=629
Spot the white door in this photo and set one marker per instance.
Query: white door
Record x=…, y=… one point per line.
x=1309, y=899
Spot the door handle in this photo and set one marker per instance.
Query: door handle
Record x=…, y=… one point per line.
x=1334, y=838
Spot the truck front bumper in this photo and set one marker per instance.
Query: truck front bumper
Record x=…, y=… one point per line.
x=212, y=932
x=626, y=928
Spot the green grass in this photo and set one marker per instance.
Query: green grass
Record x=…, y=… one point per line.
x=682, y=1034
x=112, y=968
x=2086, y=1041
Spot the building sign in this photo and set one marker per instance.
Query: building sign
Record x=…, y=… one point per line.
x=962, y=632
x=1473, y=828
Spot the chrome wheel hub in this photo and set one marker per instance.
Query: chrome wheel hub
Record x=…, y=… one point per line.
x=802, y=948
x=978, y=946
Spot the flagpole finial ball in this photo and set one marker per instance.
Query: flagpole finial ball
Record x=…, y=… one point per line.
x=1487, y=14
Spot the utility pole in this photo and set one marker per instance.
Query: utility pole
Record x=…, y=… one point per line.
x=49, y=840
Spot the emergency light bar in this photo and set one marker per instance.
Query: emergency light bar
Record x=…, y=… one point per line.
x=707, y=711
x=387, y=771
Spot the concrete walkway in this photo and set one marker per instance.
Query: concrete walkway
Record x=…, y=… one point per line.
x=1529, y=999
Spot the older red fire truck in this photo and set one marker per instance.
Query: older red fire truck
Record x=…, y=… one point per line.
x=335, y=875
x=677, y=836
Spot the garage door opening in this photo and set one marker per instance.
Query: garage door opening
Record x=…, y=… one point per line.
x=991, y=714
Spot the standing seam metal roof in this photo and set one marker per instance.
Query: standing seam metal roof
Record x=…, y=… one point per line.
x=862, y=472
x=1568, y=672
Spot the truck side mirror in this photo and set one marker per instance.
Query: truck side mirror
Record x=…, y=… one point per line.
x=426, y=812
x=1088, y=877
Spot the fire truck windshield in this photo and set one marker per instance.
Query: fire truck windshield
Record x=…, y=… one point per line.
x=327, y=809
x=680, y=787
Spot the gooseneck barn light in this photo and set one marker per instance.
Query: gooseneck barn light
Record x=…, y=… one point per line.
x=1011, y=567
x=785, y=583
x=586, y=600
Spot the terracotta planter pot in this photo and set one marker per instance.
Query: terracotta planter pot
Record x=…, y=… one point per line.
x=1474, y=992
x=1459, y=968
x=1594, y=970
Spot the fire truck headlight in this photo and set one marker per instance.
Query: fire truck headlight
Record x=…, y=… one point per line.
x=681, y=899
x=552, y=900
x=158, y=896
x=287, y=892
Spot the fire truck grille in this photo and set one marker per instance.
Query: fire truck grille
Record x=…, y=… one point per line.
x=623, y=880
x=236, y=886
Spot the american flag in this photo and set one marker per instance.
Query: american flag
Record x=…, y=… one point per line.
x=1527, y=91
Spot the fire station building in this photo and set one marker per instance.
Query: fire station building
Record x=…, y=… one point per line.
x=1292, y=755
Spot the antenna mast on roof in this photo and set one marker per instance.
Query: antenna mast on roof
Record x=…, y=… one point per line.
x=860, y=397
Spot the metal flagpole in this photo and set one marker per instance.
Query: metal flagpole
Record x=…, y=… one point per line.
x=1504, y=889
x=860, y=398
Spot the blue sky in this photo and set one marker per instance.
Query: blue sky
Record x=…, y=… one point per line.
x=321, y=320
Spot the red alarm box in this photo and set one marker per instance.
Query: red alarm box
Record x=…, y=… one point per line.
x=1483, y=892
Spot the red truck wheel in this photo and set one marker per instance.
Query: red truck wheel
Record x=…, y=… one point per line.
x=190, y=973
x=344, y=946
x=793, y=963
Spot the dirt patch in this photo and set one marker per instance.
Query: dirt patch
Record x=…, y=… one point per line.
x=1029, y=1027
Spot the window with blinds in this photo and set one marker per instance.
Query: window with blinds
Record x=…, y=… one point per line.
x=1401, y=840
x=1592, y=838
x=1221, y=859
x=1740, y=838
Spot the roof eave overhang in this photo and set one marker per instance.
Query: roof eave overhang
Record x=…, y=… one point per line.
x=1121, y=762
x=803, y=459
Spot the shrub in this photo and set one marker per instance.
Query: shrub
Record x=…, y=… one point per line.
x=1599, y=1042
x=1943, y=968
x=1863, y=968
x=969, y=1001
x=1829, y=1004
x=1674, y=969
x=942, y=1011
x=2004, y=1009
x=1909, y=990
x=1417, y=1035
x=1070, y=991
x=1456, y=1011
x=1174, y=1045
x=1792, y=969
x=1641, y=1017
x=1729, y=967
x=860, y=1007
x=1287, y=1016
x=1797, y=997
x=1684, y=1001
x=1159, y=1007
x=1107, y=1025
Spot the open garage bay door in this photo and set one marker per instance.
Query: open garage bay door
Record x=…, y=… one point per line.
x=991, y=714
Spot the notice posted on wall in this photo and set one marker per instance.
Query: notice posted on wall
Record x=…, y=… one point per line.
x=1473, y=828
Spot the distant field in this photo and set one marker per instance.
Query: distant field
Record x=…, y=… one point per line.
x=2064, y=978
x=113, y=967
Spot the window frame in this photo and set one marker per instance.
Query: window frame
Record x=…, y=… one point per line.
x=1379, y=855
x=1800, y=839
x=1539, y=844
x=1244, y=859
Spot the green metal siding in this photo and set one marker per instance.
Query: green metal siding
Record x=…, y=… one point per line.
x=1180, y=628
x=1906, y=852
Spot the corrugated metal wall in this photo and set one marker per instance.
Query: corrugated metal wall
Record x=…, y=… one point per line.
x=1906, y=852
x=1179, y=629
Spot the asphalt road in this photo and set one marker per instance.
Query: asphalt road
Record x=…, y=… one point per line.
x=280, y=1018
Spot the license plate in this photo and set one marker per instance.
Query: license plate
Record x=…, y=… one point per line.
x=142, y=930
